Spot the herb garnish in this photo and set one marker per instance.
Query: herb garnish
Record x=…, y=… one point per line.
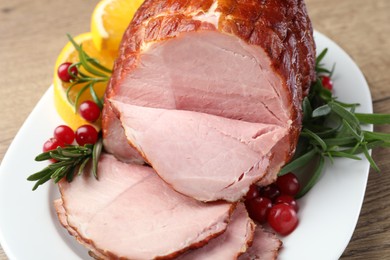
x=332, y=129
x=70, y=160
x=95, y=72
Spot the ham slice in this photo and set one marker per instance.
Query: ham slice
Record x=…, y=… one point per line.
x=130, y=213
x=200, y=155
x=234, y=242
x=265, y=246
x=250, y=63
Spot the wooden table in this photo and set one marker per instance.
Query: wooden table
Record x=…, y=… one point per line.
x=32, y=33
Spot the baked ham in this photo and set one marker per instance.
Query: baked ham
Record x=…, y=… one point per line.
x=227, y=79
x=130, y=213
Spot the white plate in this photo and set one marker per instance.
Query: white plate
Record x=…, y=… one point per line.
x=29, y=228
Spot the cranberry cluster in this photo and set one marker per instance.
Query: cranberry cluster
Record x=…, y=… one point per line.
x=275, y=204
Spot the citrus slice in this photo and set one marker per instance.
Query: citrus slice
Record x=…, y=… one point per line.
x=64, y=107
x=110, y=20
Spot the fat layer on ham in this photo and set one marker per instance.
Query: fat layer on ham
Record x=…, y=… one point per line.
x=131, y=213
x=200, y=155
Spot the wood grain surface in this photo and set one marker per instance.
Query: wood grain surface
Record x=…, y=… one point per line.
x=32, y=33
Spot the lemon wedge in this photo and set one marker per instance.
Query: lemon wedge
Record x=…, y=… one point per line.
x=65, y=109
x=110, y=20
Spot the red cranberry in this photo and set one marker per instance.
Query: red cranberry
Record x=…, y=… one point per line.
x=288, y=184
x=289, y=200
x=64, y=133
x=63, y=72
x=270, y=191
x=327, y=82
x=253, y=192
x=89, y=110
x=258, y=208
x=283, y=219
x=86, y=134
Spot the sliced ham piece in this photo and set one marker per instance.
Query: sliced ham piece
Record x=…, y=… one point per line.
x=250, y=62
x=130, y=213
x=265, y=246
x=232, y=243
x=200, y=155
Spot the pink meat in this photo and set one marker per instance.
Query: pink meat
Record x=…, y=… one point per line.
x=248, y=62
x=265, y=246
x=115, y=141
x=130, y=213
x=204, y=156
x=228, y=246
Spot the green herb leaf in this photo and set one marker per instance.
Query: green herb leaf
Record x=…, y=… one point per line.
x=97, y=100
x=41, y=181
x=351, y=130
x=321, y=56
x=321, y=111
x=97, y=150
x=374, y=136
x=298, y=163
x=343, y=154
x=82, y=166
x=84, y=61
x=82, y=90
x=349, y=117
x=377, y=119
x=40, y=174
x=315, y=138
x=340, y=141
x=97, y=64
x=307, y=110
x=369, y=158
x=314, y=178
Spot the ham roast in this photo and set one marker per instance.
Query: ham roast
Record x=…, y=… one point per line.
x=209, y=92
x=130, y=213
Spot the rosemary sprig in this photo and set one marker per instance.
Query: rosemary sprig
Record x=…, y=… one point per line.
x=332, y=129
x=70, y=160
x=94, y=73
